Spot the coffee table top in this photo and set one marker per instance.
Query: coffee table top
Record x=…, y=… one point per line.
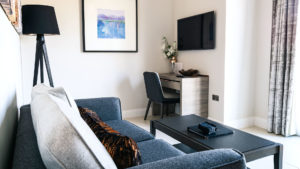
x=239, y=140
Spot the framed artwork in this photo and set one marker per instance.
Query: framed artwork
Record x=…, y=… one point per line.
x=109, y=25
x=12, y=9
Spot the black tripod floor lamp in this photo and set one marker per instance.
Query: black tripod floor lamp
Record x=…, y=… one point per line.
x=40, y=20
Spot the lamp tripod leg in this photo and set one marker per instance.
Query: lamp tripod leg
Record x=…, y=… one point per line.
x=37, y=61
x=40, y=56
x=45, y=54
x=42, y=68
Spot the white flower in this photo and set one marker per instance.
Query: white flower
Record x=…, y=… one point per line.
x=163, y=47
x=175, y=45
x=171, y=50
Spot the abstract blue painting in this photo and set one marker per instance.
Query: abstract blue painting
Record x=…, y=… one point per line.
x=111, y=24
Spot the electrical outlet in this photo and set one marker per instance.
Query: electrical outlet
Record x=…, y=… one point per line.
x=215, y=97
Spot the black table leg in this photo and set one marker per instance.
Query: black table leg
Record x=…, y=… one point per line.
x=278, y=157
x=152, y=128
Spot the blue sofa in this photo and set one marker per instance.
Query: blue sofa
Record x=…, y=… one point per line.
x=155, y=153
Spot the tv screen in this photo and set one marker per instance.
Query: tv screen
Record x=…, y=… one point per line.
x=196, y=32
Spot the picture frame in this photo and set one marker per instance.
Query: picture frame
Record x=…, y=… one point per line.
x=12, y=9
x=110, y=25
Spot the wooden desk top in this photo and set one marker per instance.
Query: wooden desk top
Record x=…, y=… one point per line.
x=172, y=76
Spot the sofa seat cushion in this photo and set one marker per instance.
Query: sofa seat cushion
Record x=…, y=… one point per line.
x=130, y=130
x=154, y=150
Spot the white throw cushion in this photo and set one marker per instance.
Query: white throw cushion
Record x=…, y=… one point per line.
x=64, y=139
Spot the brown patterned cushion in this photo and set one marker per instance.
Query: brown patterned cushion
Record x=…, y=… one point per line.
x=122, y=149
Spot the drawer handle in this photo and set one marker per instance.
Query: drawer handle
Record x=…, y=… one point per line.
x=169, y=80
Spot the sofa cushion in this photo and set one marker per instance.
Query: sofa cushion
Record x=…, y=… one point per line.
x=108, y=108
x=212, y=159
x=154, y=150
x=64, y=139
x=128, y=129
x=122, y=149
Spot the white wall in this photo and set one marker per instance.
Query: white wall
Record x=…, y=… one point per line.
x=9, y=87
x=101, y=74
x=263, y=53
x=210, y=62
x=240, y=62
x=239, y=66
x=248, y=34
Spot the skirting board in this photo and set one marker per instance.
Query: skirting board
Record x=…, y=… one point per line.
x=261, y=122
x=241, y=123
x=247, y=122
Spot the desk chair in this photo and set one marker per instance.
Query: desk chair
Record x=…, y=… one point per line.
x=155, y=93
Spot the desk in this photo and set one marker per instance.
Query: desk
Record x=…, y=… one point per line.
x=193, y=92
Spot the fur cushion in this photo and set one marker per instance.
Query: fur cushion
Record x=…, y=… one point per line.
x=122, y=149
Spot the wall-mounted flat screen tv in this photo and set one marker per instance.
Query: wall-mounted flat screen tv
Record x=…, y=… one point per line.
x=196, y=32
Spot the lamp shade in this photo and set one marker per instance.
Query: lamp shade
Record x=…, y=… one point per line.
x=39, y=19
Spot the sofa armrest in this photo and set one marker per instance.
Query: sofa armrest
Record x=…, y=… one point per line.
x=221, y=159
x=107, y=108
x=26, y=153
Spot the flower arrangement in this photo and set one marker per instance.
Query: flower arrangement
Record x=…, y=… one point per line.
x=169, y=50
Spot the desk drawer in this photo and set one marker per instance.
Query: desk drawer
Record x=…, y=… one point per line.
x=170, y=84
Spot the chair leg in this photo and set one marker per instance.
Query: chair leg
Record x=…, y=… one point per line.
x=147, y=110
x=174, y=108
x=167, y=109
x=162, y=106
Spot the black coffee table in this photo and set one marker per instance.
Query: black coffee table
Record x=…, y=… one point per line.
x=251, y=146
